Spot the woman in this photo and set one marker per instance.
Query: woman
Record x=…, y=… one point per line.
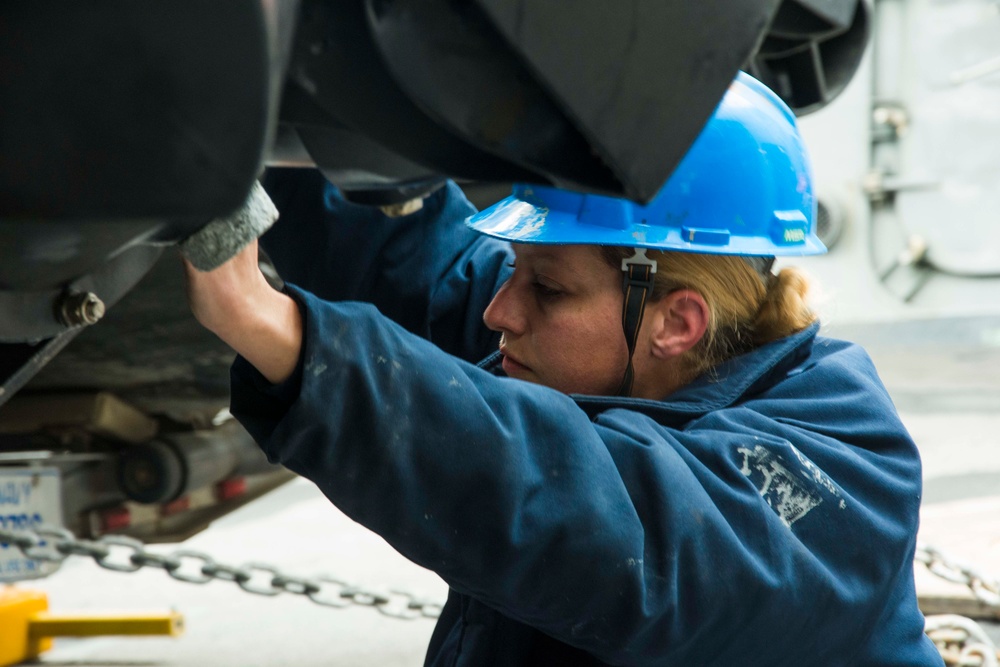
x=681, y=475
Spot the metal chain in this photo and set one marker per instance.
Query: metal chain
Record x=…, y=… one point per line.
x=125, y=554
x=986, y=589
x=960, y=640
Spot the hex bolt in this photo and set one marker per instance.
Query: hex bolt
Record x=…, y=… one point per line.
x=81, y=309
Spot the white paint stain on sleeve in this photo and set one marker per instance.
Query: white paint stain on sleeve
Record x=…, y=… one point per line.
x=786, y=492
x=818, y=476
x=314, y=367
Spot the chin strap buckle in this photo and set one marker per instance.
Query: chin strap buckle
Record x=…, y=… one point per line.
x=634, y=273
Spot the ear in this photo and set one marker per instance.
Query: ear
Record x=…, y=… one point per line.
x=676, y=323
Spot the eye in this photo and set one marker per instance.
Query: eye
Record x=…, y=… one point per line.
x=511, y=265
x=546, y=291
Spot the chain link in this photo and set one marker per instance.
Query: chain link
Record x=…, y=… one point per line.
x=47, y=550
x=200, y=577
x=248, y=582
x=125, y=554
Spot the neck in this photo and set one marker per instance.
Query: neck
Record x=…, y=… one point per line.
x=655, y=379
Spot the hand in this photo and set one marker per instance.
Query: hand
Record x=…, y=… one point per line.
x=224, y=298
x=236, y=303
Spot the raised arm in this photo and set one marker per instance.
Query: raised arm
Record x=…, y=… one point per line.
x=426, y=271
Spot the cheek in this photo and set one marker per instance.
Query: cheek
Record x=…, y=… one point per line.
x=585, y=355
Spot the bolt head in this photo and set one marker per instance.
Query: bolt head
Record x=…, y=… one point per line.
x=81, y=309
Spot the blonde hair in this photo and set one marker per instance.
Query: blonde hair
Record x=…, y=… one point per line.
x=746, y=309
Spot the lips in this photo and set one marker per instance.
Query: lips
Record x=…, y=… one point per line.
x=511, y=365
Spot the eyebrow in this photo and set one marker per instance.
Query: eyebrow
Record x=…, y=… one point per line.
x=547, y=261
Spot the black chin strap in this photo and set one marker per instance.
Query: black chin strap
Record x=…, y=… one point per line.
x=637, y=286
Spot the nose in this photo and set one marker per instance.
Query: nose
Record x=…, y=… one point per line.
x=506, y=312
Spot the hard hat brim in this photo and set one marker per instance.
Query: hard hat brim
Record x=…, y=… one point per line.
x=519, y=220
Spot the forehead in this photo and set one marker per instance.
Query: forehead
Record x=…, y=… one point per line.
x=578, y=257
x=571, y=265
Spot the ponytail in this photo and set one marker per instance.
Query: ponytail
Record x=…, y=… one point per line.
x=784, y=310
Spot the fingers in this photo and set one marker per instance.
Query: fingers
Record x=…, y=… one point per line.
x=224, y=297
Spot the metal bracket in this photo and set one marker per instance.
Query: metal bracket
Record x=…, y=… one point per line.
x=639, y=258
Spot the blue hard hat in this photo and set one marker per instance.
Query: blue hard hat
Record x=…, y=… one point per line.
x=744, y=187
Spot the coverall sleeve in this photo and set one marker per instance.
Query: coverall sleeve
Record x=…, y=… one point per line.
x=426, y=271
x=612, y=533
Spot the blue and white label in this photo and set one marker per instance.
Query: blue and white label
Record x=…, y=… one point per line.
x=29, y=497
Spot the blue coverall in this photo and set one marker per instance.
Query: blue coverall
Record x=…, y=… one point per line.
x=765, y=514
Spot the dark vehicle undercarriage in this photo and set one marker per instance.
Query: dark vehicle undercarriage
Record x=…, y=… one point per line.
x=129, y=125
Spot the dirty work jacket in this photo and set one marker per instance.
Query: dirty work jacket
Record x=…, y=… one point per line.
x=763, y=515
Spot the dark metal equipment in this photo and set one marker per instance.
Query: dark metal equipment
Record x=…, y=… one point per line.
x=812, y=50
x=127, y=125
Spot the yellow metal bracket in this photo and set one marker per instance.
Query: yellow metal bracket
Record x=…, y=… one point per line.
x=27, y=627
